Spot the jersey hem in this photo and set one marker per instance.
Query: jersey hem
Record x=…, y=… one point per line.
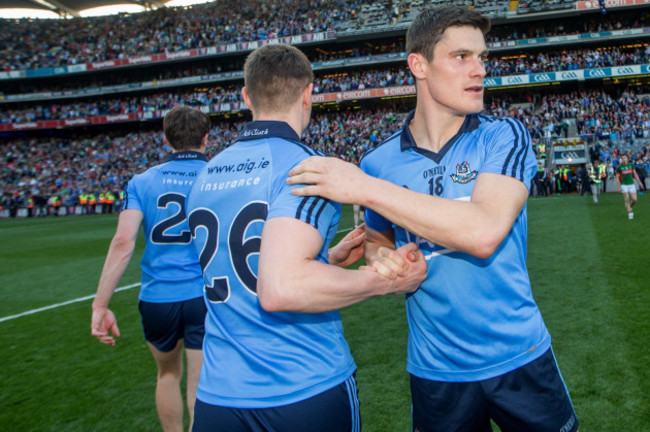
x=481, y=374
x=276, y=400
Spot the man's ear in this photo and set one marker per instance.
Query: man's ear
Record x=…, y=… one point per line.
x=306, y=96
x=247, y=98
x=418, y=65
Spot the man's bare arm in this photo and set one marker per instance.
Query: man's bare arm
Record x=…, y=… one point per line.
x=476, y=226
x=291, y=279
x=117, y=259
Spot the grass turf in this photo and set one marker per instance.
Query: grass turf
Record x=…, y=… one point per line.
x=588, y=266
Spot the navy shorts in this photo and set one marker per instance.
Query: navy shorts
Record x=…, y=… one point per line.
x=164, y=324
x=334, y=410
x=532, y=398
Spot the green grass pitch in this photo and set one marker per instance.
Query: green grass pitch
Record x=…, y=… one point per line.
x=590, y=274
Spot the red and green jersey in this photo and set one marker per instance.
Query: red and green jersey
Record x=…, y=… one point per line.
x=627, y=173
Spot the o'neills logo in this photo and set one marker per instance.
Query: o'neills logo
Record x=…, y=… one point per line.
x=255, y=132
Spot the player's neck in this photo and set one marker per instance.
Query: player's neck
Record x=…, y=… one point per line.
x=292, y=117
x=432, y=129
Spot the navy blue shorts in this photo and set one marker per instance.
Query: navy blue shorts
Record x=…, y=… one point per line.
x=164, y=324
x=334, y=410
x=532, y=398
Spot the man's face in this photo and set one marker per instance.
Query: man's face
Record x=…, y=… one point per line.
x=455, y=75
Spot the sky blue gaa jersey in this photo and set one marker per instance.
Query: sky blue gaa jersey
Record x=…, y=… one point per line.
x=170, y=269
x=472, y=319
x=253, y=358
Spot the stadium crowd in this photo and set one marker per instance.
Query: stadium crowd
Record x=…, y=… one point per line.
x=497, y=65
x=57, y=172
x=327, y=83
x=35, y=44
x=43, y=174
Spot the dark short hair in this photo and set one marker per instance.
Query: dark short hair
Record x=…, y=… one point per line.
x=185, y=127
x=275, y=75
x=427, y=28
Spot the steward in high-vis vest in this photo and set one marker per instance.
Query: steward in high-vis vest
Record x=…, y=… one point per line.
x=55, y=202
x=565, y=179
x=92, y=203
x=595, y=180
x=102, y=202
x=30, y=207
x=602, y=172
x=83, y=202
x=110, y=200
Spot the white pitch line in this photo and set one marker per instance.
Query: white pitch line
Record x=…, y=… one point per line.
x=80, y=299
x=77, y=300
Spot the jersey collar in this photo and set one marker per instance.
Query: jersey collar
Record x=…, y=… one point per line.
x=407, y=142
x=268, y=129
x=186, y=155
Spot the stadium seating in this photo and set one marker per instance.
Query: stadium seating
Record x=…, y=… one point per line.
x=54, y=142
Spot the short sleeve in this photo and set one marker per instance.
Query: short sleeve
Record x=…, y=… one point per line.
x=132, y=200
x=509, y=151
x=319, y=212
x=372, y=219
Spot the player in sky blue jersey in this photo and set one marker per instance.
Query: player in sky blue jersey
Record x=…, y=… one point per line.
x=456, y=182
x=275, y=358
x=171, y=294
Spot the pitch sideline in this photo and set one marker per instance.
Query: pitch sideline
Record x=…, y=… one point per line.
x=80, y=299
x=54, y=306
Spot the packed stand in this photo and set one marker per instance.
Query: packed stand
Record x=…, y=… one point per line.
x=327, y=83
x=36, y=44
x=34, y=172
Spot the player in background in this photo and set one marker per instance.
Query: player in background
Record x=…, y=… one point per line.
x=456, y=182
x=171, y=295
x=275, y=358
x=625, y=176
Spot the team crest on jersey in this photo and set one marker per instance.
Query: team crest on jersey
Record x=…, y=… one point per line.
x=464, y=173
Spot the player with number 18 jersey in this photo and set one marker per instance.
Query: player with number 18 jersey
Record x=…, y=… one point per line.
x=461, y=327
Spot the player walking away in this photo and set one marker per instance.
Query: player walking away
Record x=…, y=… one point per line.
x=625, y=176
x=456, y=182
x=275, y=358
x=171, y=295
x=594, y=180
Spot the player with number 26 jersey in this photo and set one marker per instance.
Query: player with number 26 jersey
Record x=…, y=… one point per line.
x=254, y=358
x=169, y=271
